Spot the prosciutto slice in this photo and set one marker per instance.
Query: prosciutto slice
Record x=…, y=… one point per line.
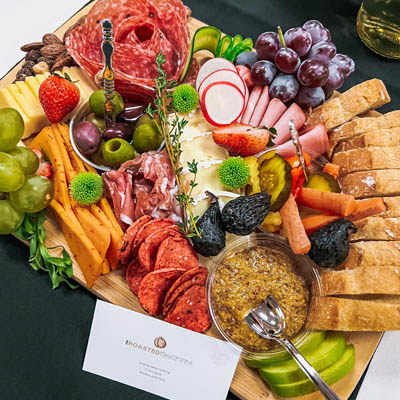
x=142, y=28
x=143, y=186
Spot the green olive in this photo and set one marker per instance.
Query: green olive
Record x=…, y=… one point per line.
x=116, y=151
x=147, y=137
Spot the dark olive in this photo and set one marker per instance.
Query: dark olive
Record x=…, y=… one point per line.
x=87, y=137
x=132, y=112
x=118, y=130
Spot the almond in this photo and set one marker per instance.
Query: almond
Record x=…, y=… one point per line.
x=32, y=46
x=64, y=60
x=51, y=38
x=52, y=50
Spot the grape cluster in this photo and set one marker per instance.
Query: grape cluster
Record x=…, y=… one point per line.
x=303, y=66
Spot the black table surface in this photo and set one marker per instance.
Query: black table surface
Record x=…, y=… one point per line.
x=43, y=332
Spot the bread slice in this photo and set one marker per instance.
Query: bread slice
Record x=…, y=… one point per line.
x=375, y=138
x=363, y=280
x=372, y=254
x=383, y=182
x=365, y=96
x=393, y=207
x=359, y=126
x=367, y=158
x=377, y=228
x=350, y=314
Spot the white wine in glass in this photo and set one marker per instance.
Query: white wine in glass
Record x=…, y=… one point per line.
x=378, y=25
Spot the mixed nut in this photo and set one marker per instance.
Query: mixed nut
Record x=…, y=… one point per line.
x=49, y=55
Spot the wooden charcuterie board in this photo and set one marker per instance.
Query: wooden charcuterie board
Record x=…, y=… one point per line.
x=113, y=288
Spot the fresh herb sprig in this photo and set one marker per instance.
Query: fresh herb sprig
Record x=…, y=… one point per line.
x=58, y=268
x=171, y=131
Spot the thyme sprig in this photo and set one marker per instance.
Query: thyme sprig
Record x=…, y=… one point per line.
x=171, y=131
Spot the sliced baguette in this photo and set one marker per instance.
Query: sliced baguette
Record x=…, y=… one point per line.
x=377, y=280
x=359, y=99
x=372, y=254
x=377, y=228
x=367, y=158
x=358, y=126
x=344, y=314
x=373, y=138
x=384, y=182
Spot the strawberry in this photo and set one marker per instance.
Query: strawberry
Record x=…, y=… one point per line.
x=44, y=170
x=242, y=139
x=58, y=96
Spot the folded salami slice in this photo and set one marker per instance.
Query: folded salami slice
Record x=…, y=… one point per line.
x=154, y=286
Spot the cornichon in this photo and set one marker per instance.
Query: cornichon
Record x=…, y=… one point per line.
x=276, y=178
x=322, y=181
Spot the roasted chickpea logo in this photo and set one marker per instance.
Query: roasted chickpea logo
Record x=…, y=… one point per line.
x=160, y=342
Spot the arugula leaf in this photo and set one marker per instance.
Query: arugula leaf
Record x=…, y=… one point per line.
x=59, y=268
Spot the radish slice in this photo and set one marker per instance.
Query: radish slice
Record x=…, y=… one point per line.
x=212, y=65
x=222, y=103
x=314, y=142
x=295, y=113
x=273, y=112
x=261, y=107
x=223, y=75
x=251, y=105
x=244, y=73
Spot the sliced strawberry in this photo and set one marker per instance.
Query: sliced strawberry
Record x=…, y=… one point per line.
x=38, y=153
x=242, y=139
x=45, y=170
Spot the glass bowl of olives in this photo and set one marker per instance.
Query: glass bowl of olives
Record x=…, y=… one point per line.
x=105, y=147
x=241, y=277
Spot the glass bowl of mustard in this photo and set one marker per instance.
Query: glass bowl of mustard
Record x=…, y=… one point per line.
x=241, y=277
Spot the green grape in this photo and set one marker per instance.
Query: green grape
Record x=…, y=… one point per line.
x=35, y=194
x=11, y=128
x=28, y=159
x=11, y=173
x=11, y=218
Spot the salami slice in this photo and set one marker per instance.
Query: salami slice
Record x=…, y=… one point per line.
x=124, y=253
x=154, y=286
x=148, y=228
x=148, y=249
x=176, y=253
x=134, y=275
x=195, y=276
x=190, y=310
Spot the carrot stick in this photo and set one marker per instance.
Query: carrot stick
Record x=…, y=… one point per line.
x=297, y=236
x=314, y=222
x=336, y=203
x=367, y=208
x=332, y=169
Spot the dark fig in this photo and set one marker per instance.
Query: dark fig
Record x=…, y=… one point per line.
x=213, y=236
x=245, y=214
x=119, y=130
x=330, y=244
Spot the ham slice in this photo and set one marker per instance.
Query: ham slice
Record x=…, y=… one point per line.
x=273, y=112
x=295, y=113
x=314, y=141
x=251, y=104
x=244, y=73
x=261, y=107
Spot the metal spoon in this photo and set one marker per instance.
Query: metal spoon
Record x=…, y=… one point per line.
x=268, y=321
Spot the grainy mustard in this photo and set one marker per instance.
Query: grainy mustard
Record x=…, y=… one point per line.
x=244, y=280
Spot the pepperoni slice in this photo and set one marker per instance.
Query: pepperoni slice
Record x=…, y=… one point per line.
x=176, y=253
x=134, y=275
x=154, y=286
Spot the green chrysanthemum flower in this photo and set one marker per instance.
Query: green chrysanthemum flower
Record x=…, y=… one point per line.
x=185, y=98
x=234, y=173
x=86, y=188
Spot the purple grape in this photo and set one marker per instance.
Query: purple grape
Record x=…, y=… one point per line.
x=267, y=44
x=318, y=32
x=247, y=58
x=323, y=51
x=312, y=73
x=309, y=97
x=299, y=40
x=284, y=87
x=345, y=63
x=263, y=72
x=335, y=80
x=287, y=60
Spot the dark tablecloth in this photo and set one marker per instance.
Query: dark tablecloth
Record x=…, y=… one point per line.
x=43, y=333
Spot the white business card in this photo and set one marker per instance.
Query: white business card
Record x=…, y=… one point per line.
x=158, y=357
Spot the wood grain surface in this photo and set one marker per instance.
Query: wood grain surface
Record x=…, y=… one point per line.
x=113, y=288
